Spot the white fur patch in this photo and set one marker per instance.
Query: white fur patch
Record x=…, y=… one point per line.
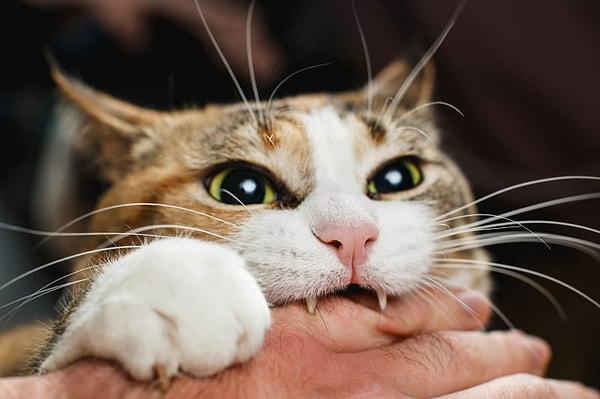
x=291, y=263
x=179, y=304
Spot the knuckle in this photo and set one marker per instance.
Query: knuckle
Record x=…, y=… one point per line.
x=457, y=349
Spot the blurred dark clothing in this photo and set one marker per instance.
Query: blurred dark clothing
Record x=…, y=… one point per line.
x=526, y=75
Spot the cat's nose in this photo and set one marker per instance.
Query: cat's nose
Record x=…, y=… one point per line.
x=350, y=242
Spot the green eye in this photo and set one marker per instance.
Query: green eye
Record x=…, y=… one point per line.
x=241, y=186
x=399, y=175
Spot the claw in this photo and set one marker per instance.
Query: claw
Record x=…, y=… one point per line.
x=382, y=298
x=162, y=378
x=311, y=304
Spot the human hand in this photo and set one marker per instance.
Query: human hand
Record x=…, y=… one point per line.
x=347, y=350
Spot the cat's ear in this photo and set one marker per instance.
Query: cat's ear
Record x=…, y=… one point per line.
x=104, y=129
x=388, y=83
x=92, y=141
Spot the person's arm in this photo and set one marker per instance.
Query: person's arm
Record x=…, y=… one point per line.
x=345, y=350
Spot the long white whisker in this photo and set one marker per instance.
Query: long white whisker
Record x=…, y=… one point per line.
x=126, y=205
x=383, y=111
x=291, y=75
x=551, y=298
x=19, y=229
x=62, y=260
x=512, y=188
x=105, y=247
x=429, y=104
x=75, y=234
x=416, y=129
x=423, y=61
x=49, y=288
x=239, y=201
x=282, y=110
x=465, y=264
x=428, y=297
x=490, y=220
x=363, y=41
x=502, y=316
x=117, y=236
x=494, y=308
x=225, y=63
x=136, y=231
x=487, y=239
x=32, y=297
x=563, y=224
x=588, y=247
x=476, y=226
x=251, y=60
x=550, y=203
x=438, y=286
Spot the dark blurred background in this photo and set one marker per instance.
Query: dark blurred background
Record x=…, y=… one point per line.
x=525, y=74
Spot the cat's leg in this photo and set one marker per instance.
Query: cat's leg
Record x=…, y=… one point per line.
x=174, y=304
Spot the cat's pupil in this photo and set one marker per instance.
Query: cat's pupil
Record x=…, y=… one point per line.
x=245, y=187
x=402, y=174
x=241, y=186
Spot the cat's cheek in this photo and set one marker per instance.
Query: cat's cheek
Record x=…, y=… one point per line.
x=174, y=305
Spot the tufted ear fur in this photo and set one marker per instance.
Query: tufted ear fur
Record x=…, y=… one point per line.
x=104, y=128
x=91, y=141
x=394, y=90
x=390, y=80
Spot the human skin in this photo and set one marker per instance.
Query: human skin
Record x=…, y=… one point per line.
x=347, y=350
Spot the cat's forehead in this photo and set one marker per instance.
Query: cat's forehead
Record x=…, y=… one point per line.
x=324, y=118
x=304, y=141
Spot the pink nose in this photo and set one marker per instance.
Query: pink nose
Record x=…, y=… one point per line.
x=350, y=242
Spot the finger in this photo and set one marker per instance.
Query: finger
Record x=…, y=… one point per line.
x=526, y=386
x=85, y=379
x=451, y=361
x=436, y=310
x=427, y=365
x=346, y=325
x=339, y=324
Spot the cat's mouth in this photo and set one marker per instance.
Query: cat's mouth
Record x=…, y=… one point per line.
x=374, y=299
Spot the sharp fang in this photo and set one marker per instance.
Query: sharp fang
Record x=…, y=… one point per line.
x=311, y=304
x=382, y=297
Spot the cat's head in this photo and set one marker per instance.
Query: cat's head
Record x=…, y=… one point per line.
x=318, y=192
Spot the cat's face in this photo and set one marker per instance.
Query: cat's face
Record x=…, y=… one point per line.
x=316, y=192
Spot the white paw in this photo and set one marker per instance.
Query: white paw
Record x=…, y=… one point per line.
x=175, y=304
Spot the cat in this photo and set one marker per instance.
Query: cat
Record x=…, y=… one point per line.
x=228, y=210
x=211, y=216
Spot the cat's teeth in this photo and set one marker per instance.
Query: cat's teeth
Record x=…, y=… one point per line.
x=382, y=297
x=311, y=304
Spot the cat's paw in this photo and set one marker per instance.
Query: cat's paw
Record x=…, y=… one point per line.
x=173, y=305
